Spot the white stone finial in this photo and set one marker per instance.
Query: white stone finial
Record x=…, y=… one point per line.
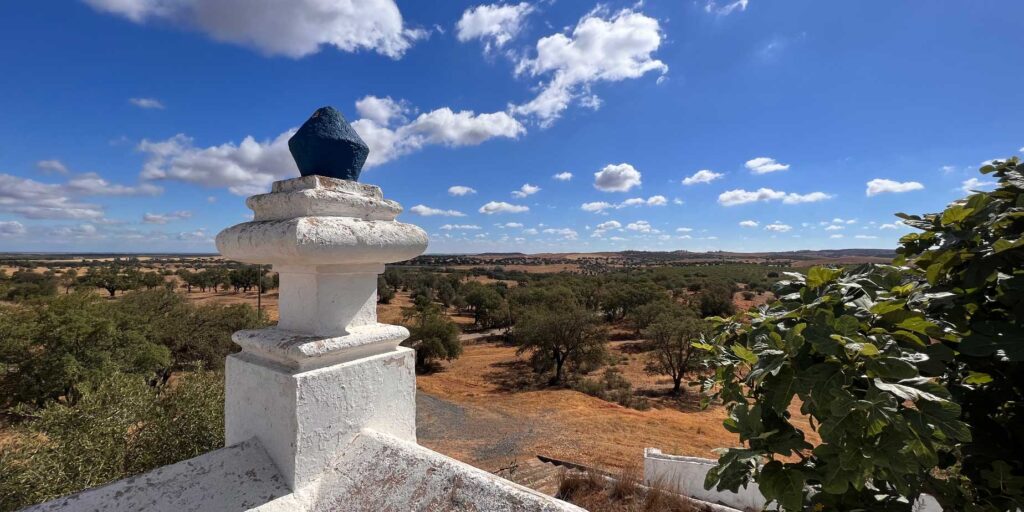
x=305, y=387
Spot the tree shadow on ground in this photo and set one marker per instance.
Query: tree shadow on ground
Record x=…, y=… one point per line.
x=514, y=376
x=687, y=400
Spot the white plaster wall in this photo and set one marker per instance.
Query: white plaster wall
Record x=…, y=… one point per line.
x=685, y=475
x=304, y=418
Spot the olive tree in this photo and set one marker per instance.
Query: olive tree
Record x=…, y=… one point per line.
x=671, y=340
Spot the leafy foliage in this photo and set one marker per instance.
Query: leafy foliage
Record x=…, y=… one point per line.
x=432, y=334
x=909, y=373
x=673, y=354
x=972, y=256
x=560, y=337
x=50, y=349
x=121, y=426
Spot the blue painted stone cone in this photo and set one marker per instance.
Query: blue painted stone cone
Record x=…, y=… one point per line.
x=326, y=145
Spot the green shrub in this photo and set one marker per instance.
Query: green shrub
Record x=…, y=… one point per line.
x=120, y=427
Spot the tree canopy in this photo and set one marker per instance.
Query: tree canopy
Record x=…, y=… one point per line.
x=910, y=373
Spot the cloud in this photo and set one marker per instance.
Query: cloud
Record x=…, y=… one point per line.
x=895, y=225
x=244, y=169
x=34, y=200
x=740, y=196
x=526, y=190
x=836, y=236
x=947, y=169
x=502, y=207
x=616, y=178
x=147, y=103
x=251, y=166
x=52, y=166
x=442, y=126
x=91, y=184
x=295, y=28
x=600, y=206
x=427, y=211
x=642, y=226
x=725, y=8
x=883, y=186
x=80, y=231
x=702, y=176
x=495, y=24
x=199, y=235
x=566, y=233
x=657, y=201
x=11, y=228
x=684, y=230
x=596, y=206
x=605, y=227
x=972, y=184
x=460, y=190
x=601, y=47
x=563, y=176
x=381, y=110
x=764, y=165
x=778, y=227
x=749, y=223
x=511, y=225
x=866, y=237
x=530, y=231
x=834, y=227
x=460, y=227
x=157, y=218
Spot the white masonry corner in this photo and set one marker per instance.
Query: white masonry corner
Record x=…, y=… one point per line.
x=322, y=406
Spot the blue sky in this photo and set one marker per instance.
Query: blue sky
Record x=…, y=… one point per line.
x=141, y=125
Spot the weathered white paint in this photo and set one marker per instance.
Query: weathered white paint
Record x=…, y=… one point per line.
x=378, y=472
x=239, y=477
x=685, y=475
x=304, y=418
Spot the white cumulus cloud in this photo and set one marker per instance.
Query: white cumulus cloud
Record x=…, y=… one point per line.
x=502, y=207
x=778, y=227
x=740, y=196
x=460, y=190
x=972, y=184
x=495, y=24
x=883, y=186
x=601, y=47
x=460, y=227
x=702, y=176
x=563, y=176
x=427, y=211
x=764, y=165
x=617, y=178
x=526, y=190
x=749, y=223
x=295, y=28
x=566, y=233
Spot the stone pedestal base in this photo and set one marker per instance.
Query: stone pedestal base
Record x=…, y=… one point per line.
x=304, y=418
